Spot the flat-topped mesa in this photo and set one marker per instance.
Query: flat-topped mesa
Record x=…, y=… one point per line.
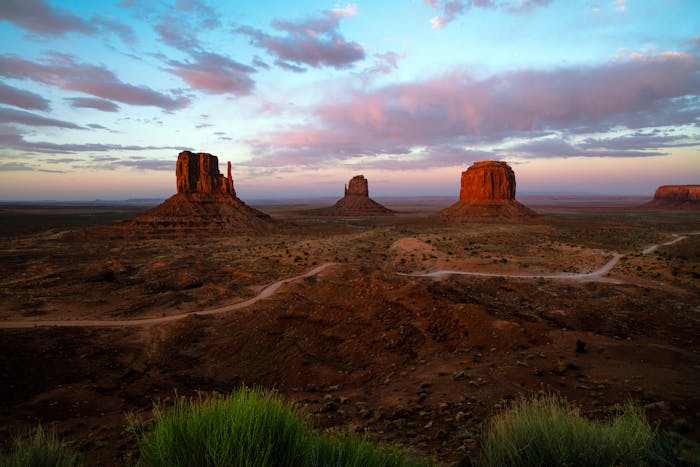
x=677, y=193
x=488, y=180
x=675, y=198
x=357, y=186
x=487, y=192
x=199, y=173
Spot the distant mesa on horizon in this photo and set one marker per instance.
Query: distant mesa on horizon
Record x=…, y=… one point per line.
x=355, y=202
x=675, y=198
x=487, y=192
x=205, y=200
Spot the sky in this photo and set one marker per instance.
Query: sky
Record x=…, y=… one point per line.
x=579, y=96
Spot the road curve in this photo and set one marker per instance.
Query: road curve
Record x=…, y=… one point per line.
x=266, y=292
x=597, y=275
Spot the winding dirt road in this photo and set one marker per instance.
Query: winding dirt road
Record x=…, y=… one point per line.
x=597, y=275
x=266, y=292
x=594, y=276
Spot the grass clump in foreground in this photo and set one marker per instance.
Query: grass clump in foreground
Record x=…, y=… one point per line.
x=251, y=427
x=546, y=430
x=40, y=449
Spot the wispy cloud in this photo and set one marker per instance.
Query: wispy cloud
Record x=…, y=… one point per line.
x=11, y=138
x=313, y=41
x=92, y=103
x=39, y=16
x=458, y=110
x=214, y=73
x=20, y=98
x=450, y=10
x=65, y=72
x=31, y=119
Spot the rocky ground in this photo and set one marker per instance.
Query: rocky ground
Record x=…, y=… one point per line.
x=413, y=361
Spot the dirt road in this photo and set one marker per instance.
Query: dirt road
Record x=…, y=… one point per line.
x=266, y=292
x=594, y=276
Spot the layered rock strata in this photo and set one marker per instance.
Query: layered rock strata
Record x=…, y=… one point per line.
x=487, y=192
x=676, y=198
x=355, y=203
x=205, y=200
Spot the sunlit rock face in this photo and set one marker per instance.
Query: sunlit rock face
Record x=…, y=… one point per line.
x=680, y=193
x=676, y=198
x=488, y=180
x=205, y=200
x=355, y=203
x=199, y=173
x=357, y=186
x=487, y=192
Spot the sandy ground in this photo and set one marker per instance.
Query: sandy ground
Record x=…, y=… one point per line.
x=415, y=361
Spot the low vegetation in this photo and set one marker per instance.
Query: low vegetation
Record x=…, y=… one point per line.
x=547, y=430
x=40, y=449
x=255, y=428
x=251, y=427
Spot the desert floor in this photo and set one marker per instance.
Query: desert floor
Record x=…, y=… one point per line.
x=416, y=361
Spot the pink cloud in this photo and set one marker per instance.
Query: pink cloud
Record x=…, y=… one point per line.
x=454, y=8
x=215, y=74
x=38, y=16
x=64, y=72
x=31, y=119
x=93, y=103
x=314, y=41
x=20, y=98
x=457, y=109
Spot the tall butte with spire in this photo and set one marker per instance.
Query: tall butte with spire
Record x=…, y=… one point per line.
x=205, y=200
x=487, y=192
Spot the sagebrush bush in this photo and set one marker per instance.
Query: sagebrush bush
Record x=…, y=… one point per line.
x=40, y=449
x=548, y=431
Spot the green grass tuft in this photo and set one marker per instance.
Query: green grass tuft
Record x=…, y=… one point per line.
x=546, y=430
x=251, y=427
x=352, y=450
x=40, y=449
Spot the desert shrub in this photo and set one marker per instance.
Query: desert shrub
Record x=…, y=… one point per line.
x=40, y=449
x=546, y=430
x=352, y=450
x=250, y=427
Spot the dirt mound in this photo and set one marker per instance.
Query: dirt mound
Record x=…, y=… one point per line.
x=197, y=211
x=487, y=192
x=675, y=198
x=497, y=210
x=355, y=203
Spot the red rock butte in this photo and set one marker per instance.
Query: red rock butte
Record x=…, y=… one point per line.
x=355, y=203
x=676, y=198
x=205, y=200
x=487, y=192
